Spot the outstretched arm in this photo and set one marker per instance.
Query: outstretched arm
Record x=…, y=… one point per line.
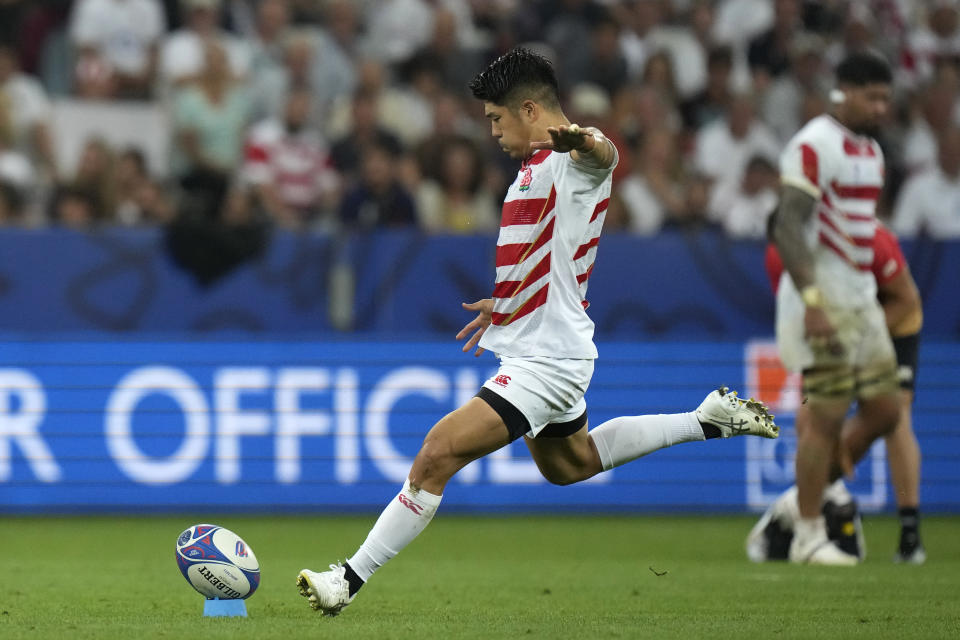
x=585, y=144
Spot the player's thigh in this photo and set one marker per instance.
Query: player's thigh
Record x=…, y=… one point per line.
x=565, y=459
x=467, y=433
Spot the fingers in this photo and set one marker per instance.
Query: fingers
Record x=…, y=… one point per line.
x=474, y=339
x=480, y=351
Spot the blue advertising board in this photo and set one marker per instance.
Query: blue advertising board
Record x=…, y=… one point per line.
x=146, y=426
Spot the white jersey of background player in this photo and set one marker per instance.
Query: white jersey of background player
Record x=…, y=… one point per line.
x=829, y=323
x=536, y=322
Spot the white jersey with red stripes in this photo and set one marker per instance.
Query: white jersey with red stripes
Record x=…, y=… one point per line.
x=549, y=230
x=844, y=172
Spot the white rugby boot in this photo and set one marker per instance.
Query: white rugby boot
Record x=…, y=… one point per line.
x=734, y=416
x=770, y=538
x=810, y=545
x=328, y=591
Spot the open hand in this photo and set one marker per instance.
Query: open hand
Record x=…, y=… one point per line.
x=478, y=325
x=564, y=138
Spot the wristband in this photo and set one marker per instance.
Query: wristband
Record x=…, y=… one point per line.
x=812, y=296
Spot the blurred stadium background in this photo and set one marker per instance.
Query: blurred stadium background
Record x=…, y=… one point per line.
x=235, y=235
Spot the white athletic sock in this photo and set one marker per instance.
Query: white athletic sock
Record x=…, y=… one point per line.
x=837, y=493
x=402, y=521
x=629, y=437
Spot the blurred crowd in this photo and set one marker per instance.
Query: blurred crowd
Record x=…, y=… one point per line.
x=337, y=114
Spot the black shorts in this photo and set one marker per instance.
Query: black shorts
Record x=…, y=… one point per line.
x=907, y=348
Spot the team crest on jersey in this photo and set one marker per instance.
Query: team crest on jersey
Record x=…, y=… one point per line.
x=527, y=178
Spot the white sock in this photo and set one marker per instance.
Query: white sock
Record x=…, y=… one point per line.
x=837, y=493
x=629, y=437
x=402, y=521
x=806, y=528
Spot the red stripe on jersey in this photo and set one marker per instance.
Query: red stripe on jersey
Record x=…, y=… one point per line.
x=510, y=288
x=827, y=242
x=851, y=148
x=857, y=217
x=256, y=153
x=527, y=210
x=508, y=254
x=536, y=300
x=600, y=208
x=586, y=274
x=539, y=156
x=809, y=162
x=582, y=249
x=859, y=192
x=860, y=241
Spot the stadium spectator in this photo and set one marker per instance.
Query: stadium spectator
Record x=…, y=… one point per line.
x=711, y=103
x=933, y=42
x=933, y=113
x=90, y=196
x=288, y=166
x=782, y=103
x=10, y=205
x=599, y=60
x=183, y=52
x=769, y=54
x=445, y=49
x=929, y=202
x=336, y=52
x=457, y=201
x=365, y=131
x=739, y=21
x=687, y=42
x=26, y=105
x=742, y=208
x=118, y=39
x=140, y=200
x=396, y=29
x=639, y=22
x=724, y=146
x=272, y=83
x=210, y=118
x=379, y=199
x=654, y=191
x=270, y=30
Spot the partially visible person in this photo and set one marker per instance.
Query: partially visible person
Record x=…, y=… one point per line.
x=27, y=106
x=654, y=191
x=742, y=208
x=929, y=201
x=829, y=324
x=122, y=37
x=457, y=201
x=379, y=199
x=183, y=52
x=898, y=295
x=287, y=164
x=209, y=119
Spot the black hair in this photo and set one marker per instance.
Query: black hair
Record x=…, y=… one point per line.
x=862, y=68
x=515, y=76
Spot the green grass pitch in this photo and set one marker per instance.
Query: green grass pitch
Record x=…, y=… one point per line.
x=552, y=577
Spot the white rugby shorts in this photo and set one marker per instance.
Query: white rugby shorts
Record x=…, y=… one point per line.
x=545, y=390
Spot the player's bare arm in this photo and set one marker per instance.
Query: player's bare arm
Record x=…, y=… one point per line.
x=478, y=325
x=901, y=304
x=796, y=208
x=585, y=144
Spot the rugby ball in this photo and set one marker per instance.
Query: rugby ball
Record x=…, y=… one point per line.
x=217, y=562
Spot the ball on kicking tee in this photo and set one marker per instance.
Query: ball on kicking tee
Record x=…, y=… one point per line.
x=217, y=562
